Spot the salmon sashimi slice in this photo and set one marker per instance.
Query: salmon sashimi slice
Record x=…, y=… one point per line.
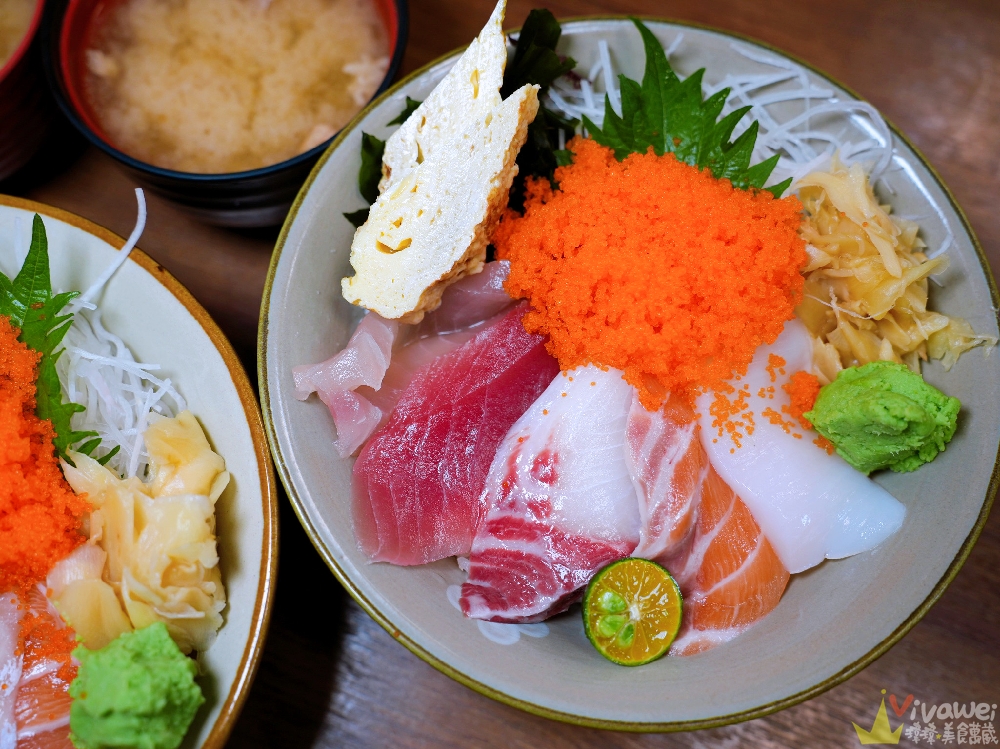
x=417, y=489
x=727, y=570
x=10, y=667
x=42, y=702
x=561, y=504
x=668, y=467
x=57, y=738
x=42, y=711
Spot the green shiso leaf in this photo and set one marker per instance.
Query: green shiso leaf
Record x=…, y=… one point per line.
x=369, y=175
x=670, y=115
x=536, y=62
x=371, y=166
x=358, y=218
x=103, y=460
x=410, y=108
x=535, y=59
x=30, y=305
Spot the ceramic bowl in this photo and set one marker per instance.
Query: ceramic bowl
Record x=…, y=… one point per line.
x=161, y=322
x=26, y=108
x=253, y=198
x=833, y=620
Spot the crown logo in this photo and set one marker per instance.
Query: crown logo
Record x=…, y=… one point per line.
x=881, y=732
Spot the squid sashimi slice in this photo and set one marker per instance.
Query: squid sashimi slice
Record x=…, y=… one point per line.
x=811, y=505
x=10, y=667
x=361, y=383
x=561, y=504
x=668, y=467
x=418, y=483
x=728, y=573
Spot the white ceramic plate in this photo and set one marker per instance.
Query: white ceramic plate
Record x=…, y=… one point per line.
x=832, y=621
x=162, y=323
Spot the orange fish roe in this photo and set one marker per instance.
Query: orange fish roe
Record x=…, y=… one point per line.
x=825, y=444
x=774, y=366
x=653, y=267
x=802, y=388
x=40, y=516
x=723, y=410
x=45, y=639
x=778, y=420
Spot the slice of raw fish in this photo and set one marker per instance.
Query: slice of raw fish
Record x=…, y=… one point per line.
x=361, y=383
x=668, y=468
x=363, y=361
x=470, y=301
x=811, y=505
x=357, y=414
x=728, y=573
x=411, y=358
x=43, y=701
x=561, y=504
x=10, y=667
x=418, y=482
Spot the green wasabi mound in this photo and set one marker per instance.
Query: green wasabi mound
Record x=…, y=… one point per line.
x=137, y=691
x=883, y=415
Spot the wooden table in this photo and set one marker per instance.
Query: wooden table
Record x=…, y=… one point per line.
x=330, y=676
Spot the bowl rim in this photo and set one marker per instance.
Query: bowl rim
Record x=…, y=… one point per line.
x=29, y=36
x=633, y=726
x=260, y=621
x=55, y=65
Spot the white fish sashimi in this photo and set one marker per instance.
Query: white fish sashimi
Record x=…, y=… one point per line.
x=10, y=667
x=810, y=505
x=560, y=501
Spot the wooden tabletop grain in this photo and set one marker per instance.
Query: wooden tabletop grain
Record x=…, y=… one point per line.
x=330, y=677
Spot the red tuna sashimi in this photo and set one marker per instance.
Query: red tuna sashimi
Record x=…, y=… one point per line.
x=561, y=502
x=361, y=383
x=418, y=483
x=728, y=572
x=668, y=467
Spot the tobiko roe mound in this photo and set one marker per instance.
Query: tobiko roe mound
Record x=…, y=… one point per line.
x=653, y=267
x=40, y=516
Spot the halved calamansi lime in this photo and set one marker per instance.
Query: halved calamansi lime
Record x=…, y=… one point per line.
x=632, y=611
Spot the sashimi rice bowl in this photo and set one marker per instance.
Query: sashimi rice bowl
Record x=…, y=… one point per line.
x=647, y=318
x=118, y=624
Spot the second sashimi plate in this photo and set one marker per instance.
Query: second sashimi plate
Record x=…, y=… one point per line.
x=832, y=621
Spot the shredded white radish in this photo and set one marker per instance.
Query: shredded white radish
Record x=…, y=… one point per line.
x=804, y=124
x=98, y=371
x=133, y=239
